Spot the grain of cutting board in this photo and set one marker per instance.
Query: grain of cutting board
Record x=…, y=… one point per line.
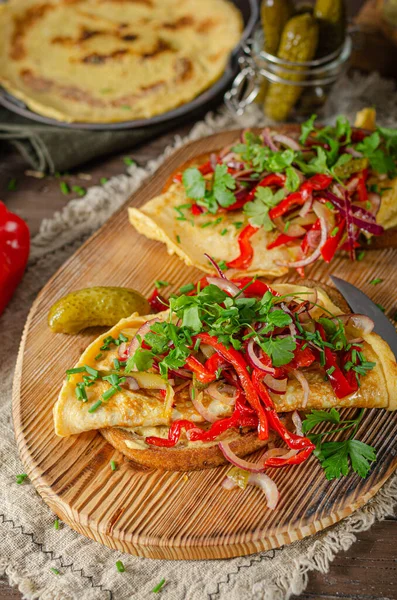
x=167, y=514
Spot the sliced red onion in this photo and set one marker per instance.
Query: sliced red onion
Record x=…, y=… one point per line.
x=278, y=386
x=304, y=211
x=208, y=351
x=181, y=387
x=142, y=331
x=353, y=152
x=227, y=396
x=268, y=140
x=296, y=230
x=130, y=384
x=225, y=285
x=286, y=140
x=228, y=484
x=266, y=484
x=197, y=401
x=361, y=322
x=253, y=358
x=235, y=460
x=213, y=160
x=304, y=383
x=283, y=453
x=123, y=351
x=182, y=373
x=216, y=266
x=375, y=201
x=297, y=421
x=360, y=217
x=318, y=209
x=351, y=185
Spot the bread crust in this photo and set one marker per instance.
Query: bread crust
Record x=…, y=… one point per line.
x=193, y=458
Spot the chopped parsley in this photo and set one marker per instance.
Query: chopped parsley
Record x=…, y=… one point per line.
x=128, y=161
x=64, y=188
x=376, y=281
x=21, y=478
x=120, y=567
x=158, y=587
x=258, y=210
x=159, y=283
x=80, y=191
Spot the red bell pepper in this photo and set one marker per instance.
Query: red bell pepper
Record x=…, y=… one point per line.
x=280, y=240
x=256, y=288
x=204, y=170
x=157, y=301
x=214, y=363
x=14, y=253
x=315, y=183
x=271, y=179
x=292, y=440
x=242, y=416
x=238, y=362
x=196, y=210
x=302, y=358
x=331, y=245
x=361, y=186
x=246, y=256
x=199, y=370
x=338, y=380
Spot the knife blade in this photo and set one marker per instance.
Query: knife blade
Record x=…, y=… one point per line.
x=360, y=303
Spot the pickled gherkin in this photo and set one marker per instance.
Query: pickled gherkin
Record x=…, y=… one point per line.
x=298, y=43
x=94, y=306
x=274, y=16
x=354, y=166
x=331, y=18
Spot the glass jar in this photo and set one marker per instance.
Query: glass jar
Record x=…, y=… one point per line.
x=315, y=77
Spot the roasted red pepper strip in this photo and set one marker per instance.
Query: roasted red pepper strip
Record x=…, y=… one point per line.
x=255, y=289
x=350, y=375
x=196, y=210
x=271, y=179
x=238, y=362
x=317, y=182
x=275, y=462
x=157, y=301
x=202, y=374
x=361, y=186
x=332, y=243
x=340, y=384
x=292, y=440
x=302, y=358
x=242, y=416
x=246, y=250
x=204, y=170
x=214, y=363
x=280, y=240
x=14, y=253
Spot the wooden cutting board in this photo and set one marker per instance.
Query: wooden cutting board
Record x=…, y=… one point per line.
x=164, y=514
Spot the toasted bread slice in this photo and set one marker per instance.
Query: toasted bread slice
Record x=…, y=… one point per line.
x=182, y=457
x=192, y=457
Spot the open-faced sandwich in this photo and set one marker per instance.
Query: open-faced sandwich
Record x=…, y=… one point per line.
x=272, y=202
x=213, y=377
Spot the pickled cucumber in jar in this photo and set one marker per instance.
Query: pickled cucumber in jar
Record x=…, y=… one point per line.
x=299, y=41
x=274, y=16
x=95, y=306
x=331, y=18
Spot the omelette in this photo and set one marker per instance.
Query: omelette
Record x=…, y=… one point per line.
x=169, y=390
x=104, y=61
x=270, y=202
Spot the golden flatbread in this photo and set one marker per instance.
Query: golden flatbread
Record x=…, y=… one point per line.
x=105, y=61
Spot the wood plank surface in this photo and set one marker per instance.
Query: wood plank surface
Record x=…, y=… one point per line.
x=191, y=519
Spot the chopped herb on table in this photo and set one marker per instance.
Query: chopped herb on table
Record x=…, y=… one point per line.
x=55, y=571
x=12, y=185
x=129, y=162
x=21, y=478
x=158, y=587
x=376, y=281
x=80, y=191
x=64, y=188
x=120, y=567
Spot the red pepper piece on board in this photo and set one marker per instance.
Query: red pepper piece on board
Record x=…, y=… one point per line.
x=244, y=260
x=157, y=301
x=14, y=253
x=315, y=183
x=196, y=210
x=331, y=245
x=361, y=186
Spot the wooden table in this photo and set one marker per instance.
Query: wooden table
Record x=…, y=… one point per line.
x=368, y=570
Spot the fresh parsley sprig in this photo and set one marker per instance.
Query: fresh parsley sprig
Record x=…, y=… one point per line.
x=339, y=458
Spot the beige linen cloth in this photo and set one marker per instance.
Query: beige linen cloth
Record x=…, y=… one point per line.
x=30, y=546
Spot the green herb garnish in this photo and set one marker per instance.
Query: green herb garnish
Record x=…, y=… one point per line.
x=120, y=567
x=158, y=587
